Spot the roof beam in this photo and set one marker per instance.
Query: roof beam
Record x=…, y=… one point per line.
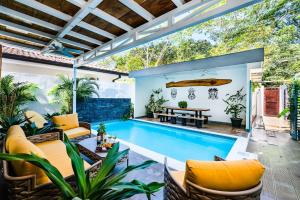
x=173, y=26
x=21, y=37
x=28, y=18
x=78, y=17
x=178, y=3
x=18, y=45
x=94, y=29
x=103, y=15
x=24, y=17
x=42, y=34
x=131, y=4
x=48, y=10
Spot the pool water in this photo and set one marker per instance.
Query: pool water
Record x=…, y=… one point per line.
x=176, y=143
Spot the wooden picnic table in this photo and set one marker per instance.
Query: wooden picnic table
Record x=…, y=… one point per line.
x=198, y=111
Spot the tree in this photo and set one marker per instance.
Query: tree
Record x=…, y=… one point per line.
x=63, y=92
x=12, y=97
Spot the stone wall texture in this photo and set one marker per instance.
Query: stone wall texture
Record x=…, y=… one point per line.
x=103, y=109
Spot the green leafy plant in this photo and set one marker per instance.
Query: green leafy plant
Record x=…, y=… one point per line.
x=49, y=116
x=63, y=92
x=31, y=129
x=101, y=128
x=156, y=100
x=130, y=113
x=235, y=104
x=182, y=104
x=14, y=95
x=105, y=185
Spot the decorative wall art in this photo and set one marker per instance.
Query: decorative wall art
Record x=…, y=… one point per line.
x=213, y=93
x=191, y=95
x=173, y=93
x=199, y=82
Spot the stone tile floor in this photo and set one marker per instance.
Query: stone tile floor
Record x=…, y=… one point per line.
x=279, y=153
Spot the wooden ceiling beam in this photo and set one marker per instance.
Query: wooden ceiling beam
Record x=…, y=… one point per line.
x=24, y=38
x=18, y=45
x=178, y=3
x=56, y=13
x=25, y=29
x=138, y=9
x=42, y=23
x=103, y=15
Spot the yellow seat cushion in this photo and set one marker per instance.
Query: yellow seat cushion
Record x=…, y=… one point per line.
x=14, y=132
x=225, y=175
x=36, y=118
x=77, y=132
x=56, y=154
x=22, y=168
x=66, y=122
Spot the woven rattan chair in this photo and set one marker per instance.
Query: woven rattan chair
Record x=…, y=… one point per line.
x=25, y=187
x=176, y=191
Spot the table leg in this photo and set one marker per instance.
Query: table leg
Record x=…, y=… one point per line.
x=196, y=113
x=200, y=114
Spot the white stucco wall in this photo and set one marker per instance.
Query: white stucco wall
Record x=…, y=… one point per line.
x=45, y=76
x=238, y=74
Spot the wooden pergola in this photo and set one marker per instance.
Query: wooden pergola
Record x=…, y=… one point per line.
x=101, y=28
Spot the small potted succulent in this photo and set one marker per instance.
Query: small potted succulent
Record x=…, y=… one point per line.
x=182, y=104
x=235, y=106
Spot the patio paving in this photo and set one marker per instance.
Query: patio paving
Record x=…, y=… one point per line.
x=280, y=155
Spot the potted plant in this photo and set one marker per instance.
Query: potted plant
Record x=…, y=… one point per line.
x=182, y=104
x=235, y=106
x=156, y=101
x=101, y=132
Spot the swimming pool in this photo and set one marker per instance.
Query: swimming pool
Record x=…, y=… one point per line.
x=176, y=143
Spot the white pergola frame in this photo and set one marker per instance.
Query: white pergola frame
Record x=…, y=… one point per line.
x=184, y=16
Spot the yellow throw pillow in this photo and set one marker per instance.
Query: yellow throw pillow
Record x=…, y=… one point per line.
x=14, y=132
x=36, y=118
x=66, y=122
x=225, y=175
x=22, y=168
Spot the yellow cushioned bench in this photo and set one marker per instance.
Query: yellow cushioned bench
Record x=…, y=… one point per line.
x=71, y=126
x=54, y=151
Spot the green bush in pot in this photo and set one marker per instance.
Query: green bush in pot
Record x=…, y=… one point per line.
x=182, y=104
x=235, y=106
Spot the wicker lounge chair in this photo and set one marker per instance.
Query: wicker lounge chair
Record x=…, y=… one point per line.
x=26, y=187
x=174, y=190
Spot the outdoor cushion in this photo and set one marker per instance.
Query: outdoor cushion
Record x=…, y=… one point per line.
x=56, y=154
x=22, y=168
x=77, y=132
x=36, y=118
x=66, y=122
x=225, y=175
x=178, y=176
x=14, y=132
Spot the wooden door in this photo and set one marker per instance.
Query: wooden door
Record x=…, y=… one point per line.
x=271, y=101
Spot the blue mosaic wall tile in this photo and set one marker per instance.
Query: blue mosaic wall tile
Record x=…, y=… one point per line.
x=103, y=109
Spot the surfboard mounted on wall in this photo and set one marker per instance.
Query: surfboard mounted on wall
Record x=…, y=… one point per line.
x=199, y=82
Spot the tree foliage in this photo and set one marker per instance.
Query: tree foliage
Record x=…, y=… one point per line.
x=271, y=24
x=63, y=92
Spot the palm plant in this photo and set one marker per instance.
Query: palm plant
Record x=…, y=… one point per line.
x=105, y=185
x=63, y=92
x=12, y=97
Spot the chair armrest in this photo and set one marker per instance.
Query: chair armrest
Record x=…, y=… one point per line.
x=56, y=135
x=85, y=125
x=93, y=169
